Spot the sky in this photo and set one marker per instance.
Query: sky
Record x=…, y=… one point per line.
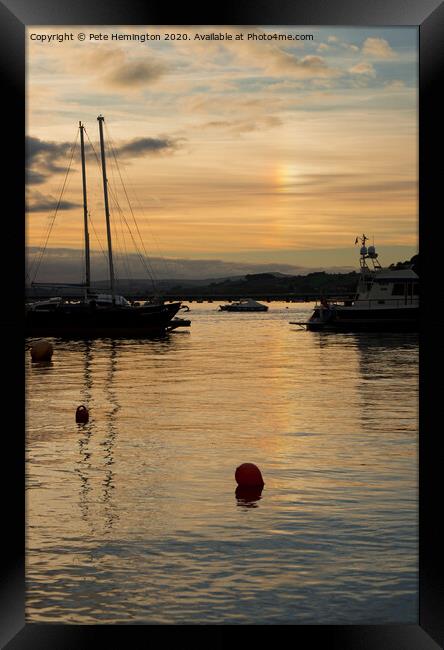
x=256, y=152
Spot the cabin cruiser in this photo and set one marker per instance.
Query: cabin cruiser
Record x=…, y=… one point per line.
x=385, y=300
x=244, y=305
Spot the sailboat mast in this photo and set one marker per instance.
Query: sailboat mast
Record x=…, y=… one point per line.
x=85, y=211
x=101, y=119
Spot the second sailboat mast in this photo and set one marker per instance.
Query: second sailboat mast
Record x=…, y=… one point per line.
x=101, y=119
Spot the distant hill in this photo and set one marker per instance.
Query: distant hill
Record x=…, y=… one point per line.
x=273, y=283
x=251, y=284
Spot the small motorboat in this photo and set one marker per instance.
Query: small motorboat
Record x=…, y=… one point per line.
x=247, y=304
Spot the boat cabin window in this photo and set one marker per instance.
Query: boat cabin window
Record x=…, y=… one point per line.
x=398, y=289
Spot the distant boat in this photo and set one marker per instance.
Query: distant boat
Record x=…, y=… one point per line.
x=99, y=314
x=385, y=300
x=244, y=305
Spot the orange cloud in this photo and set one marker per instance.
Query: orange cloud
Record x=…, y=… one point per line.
x=363, y=69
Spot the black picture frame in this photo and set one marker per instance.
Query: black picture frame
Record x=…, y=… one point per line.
x=15, y=15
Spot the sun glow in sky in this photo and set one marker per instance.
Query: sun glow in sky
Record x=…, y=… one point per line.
x=239, y=150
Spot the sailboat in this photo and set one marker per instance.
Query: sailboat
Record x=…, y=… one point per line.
x=100, y=314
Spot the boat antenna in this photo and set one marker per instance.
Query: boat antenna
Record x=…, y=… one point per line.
x=85, y=212
x=101, y=119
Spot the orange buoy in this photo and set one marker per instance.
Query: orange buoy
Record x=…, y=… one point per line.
x=82, y=414
x=249, y=475
x=41, y=351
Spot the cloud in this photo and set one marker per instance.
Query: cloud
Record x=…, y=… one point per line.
x=244, y=126
x=309, y=66
x=363, y=69
x=46, y=156
x=34, y=178
x=143, y=146
x=37, y=202
x=113, y=69
x=132, y=74
x=350, y=186
x=277, y=60
x=350, y=46
x=378, y=48
x=395, y=84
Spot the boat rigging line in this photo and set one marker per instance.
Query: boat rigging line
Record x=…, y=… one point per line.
x=97, y=236
x=113, y=151
x=161, y=255
x=122, y=257
x=113, y=196
x=51, y=224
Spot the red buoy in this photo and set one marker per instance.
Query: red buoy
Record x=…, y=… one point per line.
x=82, y=414
x=249, y=475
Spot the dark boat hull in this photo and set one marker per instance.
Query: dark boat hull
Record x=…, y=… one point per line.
x=80, y=321
x=367, y=320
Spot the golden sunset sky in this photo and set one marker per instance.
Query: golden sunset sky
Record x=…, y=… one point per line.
x=240, y=151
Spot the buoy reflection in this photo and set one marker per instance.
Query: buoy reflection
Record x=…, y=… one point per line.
x=41, y=351
x=247, y=497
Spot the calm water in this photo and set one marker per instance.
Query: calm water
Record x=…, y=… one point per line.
x=133, y=518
